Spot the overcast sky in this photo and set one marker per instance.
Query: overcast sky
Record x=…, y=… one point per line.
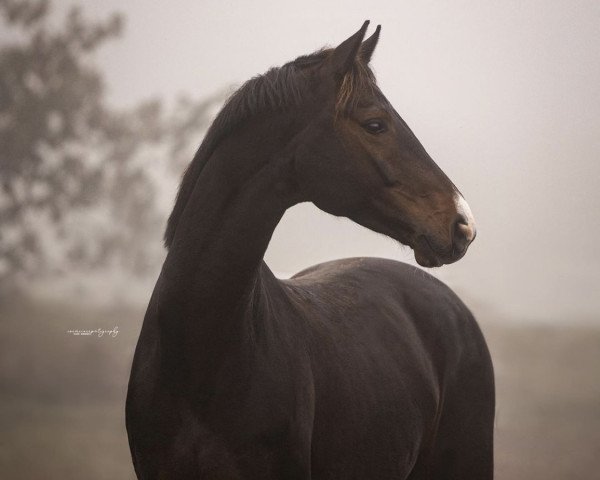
x=505, y=96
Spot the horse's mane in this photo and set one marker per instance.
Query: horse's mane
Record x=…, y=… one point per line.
x=279, y=88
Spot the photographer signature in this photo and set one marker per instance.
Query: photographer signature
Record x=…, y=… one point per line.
x=99, y=332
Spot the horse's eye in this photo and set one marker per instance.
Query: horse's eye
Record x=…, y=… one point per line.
x=374, y=126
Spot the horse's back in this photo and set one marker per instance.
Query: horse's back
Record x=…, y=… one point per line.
x=390, y=306
x=398, y=356
x=372, y=290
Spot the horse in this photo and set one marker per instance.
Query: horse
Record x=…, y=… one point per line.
x=361, y=368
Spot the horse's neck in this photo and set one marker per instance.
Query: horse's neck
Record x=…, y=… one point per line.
x=213, y=268
x=223, y=234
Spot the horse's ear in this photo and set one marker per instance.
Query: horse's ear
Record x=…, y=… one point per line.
x=368, y=46
x=344, y=55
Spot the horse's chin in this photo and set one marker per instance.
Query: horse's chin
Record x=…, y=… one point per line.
x=427, y=258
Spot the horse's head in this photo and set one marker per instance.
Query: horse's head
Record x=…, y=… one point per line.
x=357, y=158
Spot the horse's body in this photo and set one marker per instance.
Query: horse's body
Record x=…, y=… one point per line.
x=354, y=369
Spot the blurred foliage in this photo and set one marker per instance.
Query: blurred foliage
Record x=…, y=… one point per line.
x=79, y=179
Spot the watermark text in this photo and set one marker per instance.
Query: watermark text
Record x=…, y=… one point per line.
x=98, y=332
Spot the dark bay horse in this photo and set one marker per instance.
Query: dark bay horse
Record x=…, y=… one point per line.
x=354, y=369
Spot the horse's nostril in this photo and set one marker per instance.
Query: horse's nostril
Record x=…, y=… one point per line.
x=461, y=220
x=463, y=232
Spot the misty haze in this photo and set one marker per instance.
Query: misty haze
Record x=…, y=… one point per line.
x=102, y=110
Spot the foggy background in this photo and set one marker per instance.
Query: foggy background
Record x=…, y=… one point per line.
x=100, y=114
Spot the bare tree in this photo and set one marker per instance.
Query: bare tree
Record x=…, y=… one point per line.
x=76, y=182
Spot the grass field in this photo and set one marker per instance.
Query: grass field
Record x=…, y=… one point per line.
x=548, y=402
x=62, y=396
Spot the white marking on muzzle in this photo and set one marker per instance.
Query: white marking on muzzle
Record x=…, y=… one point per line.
x=462, y=208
